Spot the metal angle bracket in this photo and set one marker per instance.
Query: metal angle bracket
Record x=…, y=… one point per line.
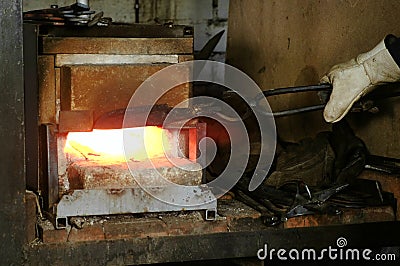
x=135, y=200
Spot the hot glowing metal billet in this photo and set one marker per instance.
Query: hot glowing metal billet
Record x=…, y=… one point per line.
x=108, y=146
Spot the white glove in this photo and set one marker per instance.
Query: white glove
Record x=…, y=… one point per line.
x=357, y=77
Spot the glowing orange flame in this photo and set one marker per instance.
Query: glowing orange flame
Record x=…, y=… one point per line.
x=108, y=145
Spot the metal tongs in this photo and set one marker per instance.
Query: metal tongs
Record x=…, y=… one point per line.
x=369, y=103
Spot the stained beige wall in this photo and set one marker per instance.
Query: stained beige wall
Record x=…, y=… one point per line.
x=294, y=42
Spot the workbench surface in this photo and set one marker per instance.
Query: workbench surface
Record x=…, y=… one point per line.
x=238, y=232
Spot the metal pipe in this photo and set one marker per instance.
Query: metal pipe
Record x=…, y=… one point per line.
x=299, y=110
x=137, y=7
x=279, y=91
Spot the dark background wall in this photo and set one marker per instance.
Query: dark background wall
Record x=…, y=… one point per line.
x=292, y=43
x=12, y=172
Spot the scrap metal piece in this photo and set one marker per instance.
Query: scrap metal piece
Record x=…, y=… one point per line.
x=324, y=195
x=96, y=19
x=75, y=14
x=313, y=202
x=209, y=47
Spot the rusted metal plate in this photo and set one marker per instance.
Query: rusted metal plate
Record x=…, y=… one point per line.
x=110, y=59
x=155, y=46
x=193, y=223
x=349, y=216
x=81, y=120
x=120, y=228
x=47, y=90
x=105, y=88
x=94, y=175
